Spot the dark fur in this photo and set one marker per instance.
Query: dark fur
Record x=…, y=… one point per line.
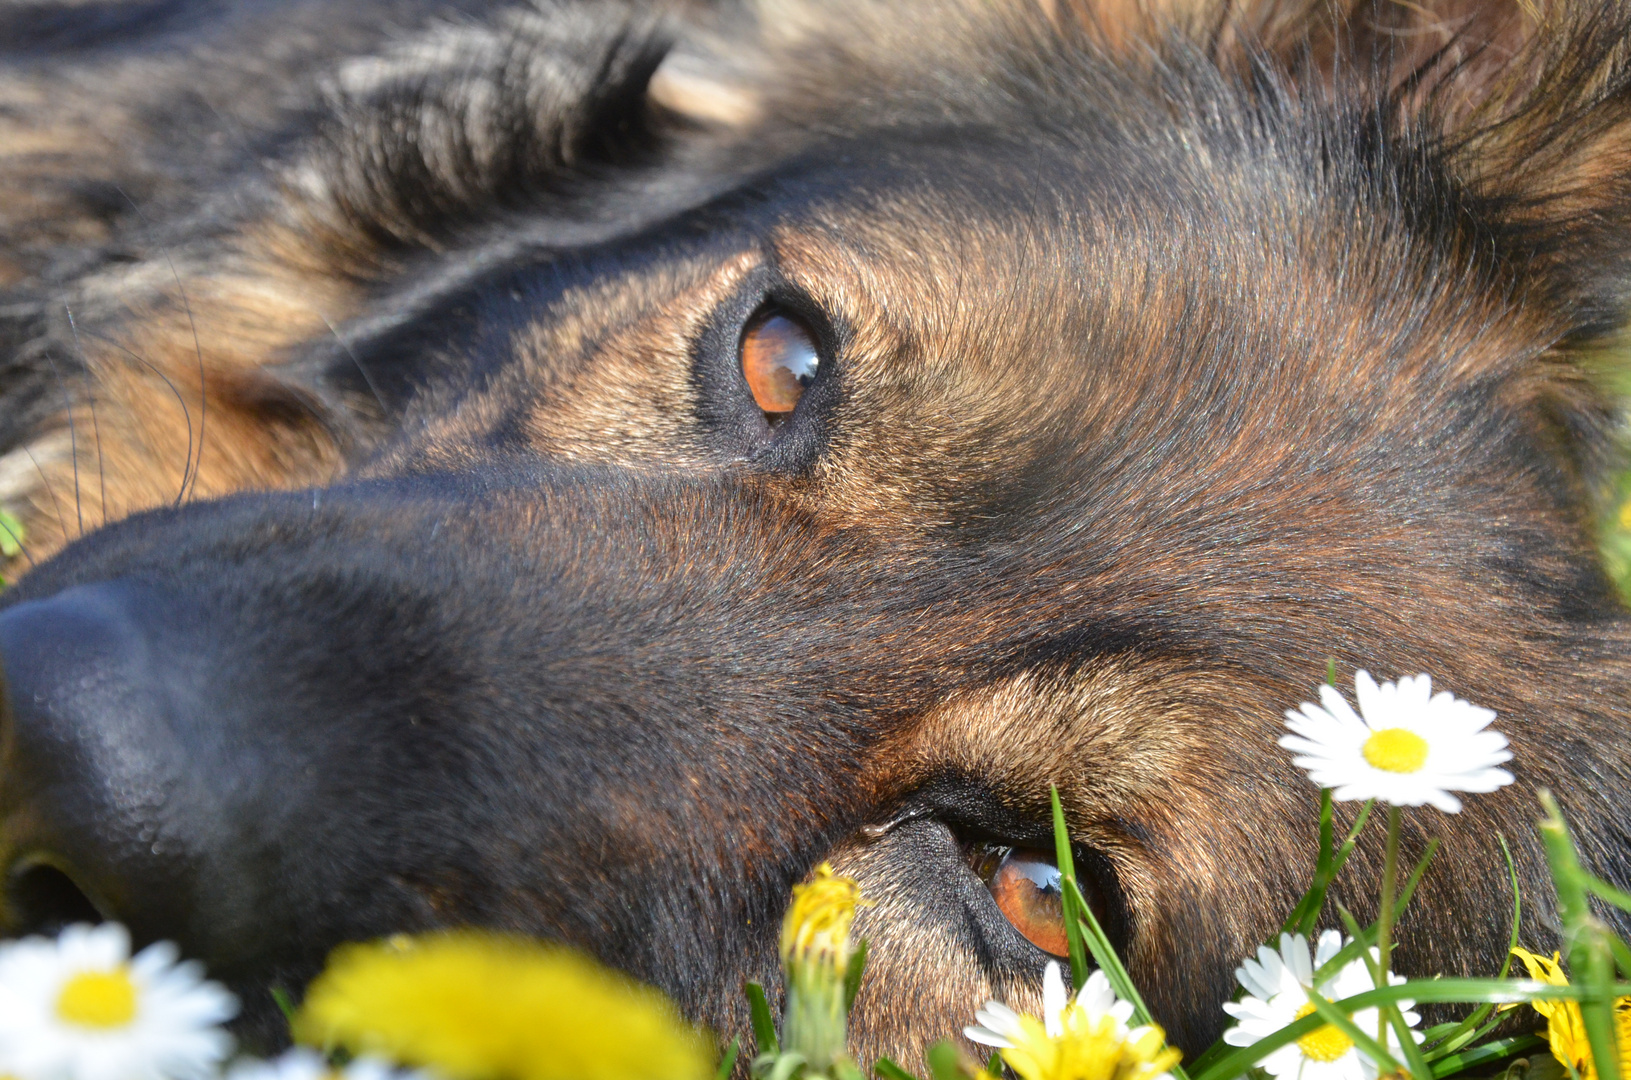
x=1169, y=353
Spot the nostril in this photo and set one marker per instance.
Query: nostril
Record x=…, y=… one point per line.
x=43, y=899
x=101, y=802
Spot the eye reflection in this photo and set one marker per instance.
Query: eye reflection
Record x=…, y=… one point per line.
x=1025, y=884
x=779, y=359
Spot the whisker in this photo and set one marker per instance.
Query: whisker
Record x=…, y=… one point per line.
x=186, y=416
x=203, y=391
x=50, y=489
x=73, y=438
x=18, y=540
x=96, y=428
x=366, y=377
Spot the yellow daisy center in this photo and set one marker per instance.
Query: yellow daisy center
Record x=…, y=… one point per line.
x=1396, y=750
x=1323, y=1043
x=1091, y=1047
x=98, y=999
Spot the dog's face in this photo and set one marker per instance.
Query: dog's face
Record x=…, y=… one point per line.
x=672, y=451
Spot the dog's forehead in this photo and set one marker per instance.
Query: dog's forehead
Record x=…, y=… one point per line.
x=982, y=285
x=1148, y=351
x=1092, y=237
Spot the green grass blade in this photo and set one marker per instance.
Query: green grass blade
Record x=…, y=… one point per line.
x=1479, y=991
x=1414, y=879
x=1367, y=1043
x=728, y=1062
x=1364, y=938
x=1208, y=1056
x=1491, y=1051
x=945, y=1061
x=1391, y=1014
x=1598, y=887
x=1421, y=991
x=787, y=1066
x=1413, y=1059
x=886, y=1069
x=1590, y=960
x=1084, y=934
x=1236, y=1063
x=1455, y=1044
x=1314, y=897
x=1104, y=954
x=1067, y=872
x=11, y=535
x=1622, y=954
x=285, y=1004
x=852, y=975
x=764, y=1021
x=1313, y=902
x=1469, y=1030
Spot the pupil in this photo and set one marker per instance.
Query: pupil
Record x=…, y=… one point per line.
x=779, y=359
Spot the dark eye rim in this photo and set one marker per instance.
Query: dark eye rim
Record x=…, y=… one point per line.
x=979, y=817
x=1094, y=871
x=730, y=416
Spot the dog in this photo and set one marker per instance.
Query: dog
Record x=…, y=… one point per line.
x=572, y=467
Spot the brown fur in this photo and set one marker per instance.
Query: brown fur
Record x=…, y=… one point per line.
x=1109, y=480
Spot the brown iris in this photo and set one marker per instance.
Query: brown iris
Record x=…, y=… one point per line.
x=1025, y=884
x=779, y=359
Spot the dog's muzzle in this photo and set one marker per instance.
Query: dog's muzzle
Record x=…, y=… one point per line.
x=110, y=793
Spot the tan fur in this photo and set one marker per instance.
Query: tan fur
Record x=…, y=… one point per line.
x=145, y=432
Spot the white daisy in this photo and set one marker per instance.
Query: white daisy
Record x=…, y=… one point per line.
x=1278, y=985
x=1406, y=746
x=81, y=1008
x=1000, y=1026
x=1082, y=1039
x=304, y=1064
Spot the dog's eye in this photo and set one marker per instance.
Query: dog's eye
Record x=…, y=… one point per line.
x=779, y=359
x=1025, y=884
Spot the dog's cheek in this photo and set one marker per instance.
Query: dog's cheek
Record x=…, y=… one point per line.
x=924, y=975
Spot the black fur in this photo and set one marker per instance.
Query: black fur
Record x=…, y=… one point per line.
x=1161, y=360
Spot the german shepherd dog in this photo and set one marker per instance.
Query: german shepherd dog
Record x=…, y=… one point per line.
x=572, y=467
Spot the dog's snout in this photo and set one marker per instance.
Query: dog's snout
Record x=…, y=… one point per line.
x=100, y=808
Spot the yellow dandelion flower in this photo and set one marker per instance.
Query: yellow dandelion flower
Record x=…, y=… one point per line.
x=1565, y=1029
x=475, y=1005
x=816, y=951
x=818, y=920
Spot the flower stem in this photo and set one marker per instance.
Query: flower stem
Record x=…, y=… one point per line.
x=1384, y=920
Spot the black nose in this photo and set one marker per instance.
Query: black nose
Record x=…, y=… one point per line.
x=105, y=799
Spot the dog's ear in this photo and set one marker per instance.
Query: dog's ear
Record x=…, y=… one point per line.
x=1537, y=127
x=1513, y=116
x=537, y=109
x=185, y=242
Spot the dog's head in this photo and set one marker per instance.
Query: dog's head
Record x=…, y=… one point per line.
x=572, y=468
